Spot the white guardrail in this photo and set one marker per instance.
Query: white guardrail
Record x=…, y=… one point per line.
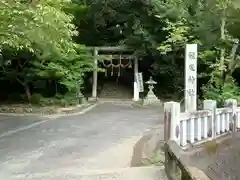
x=200, y=126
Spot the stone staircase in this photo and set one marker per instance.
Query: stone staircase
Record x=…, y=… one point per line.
x=115, y=91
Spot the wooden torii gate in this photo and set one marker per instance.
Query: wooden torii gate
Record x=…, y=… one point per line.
x=105, y=51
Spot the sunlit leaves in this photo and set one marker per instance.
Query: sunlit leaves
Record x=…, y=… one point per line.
x=36, y=27
x=44, y=30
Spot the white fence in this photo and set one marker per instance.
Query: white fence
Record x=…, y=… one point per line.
x=199, y=126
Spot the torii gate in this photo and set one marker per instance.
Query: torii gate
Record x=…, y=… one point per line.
x=113, y=49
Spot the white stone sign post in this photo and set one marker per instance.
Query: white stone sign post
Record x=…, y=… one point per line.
x=140, y=82
x=191, y=77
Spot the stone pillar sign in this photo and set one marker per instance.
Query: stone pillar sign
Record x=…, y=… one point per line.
x=191, y=77
x=140, y=82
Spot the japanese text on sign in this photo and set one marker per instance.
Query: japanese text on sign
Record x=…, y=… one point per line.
x=191, y=92
x=192, y=67
x=192, y=55
x=140, y=82
x=191, y=77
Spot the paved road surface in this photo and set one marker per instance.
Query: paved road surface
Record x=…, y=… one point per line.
x=99, y=139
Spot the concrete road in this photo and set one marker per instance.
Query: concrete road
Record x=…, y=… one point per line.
x=99, y=139
x=10, y=124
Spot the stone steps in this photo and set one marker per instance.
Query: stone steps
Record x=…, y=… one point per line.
x=117, y=91
x=131, y=173
x=116, y=101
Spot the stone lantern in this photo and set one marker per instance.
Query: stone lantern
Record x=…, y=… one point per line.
x=151, y=97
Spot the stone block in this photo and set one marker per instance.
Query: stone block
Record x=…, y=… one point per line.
x=145, y=149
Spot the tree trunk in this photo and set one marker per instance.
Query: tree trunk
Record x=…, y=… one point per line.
x=27, y=91
x=26, y=88
x=222, y=51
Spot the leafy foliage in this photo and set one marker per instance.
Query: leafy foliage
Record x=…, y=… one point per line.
x=40, y=27
x=36, y=43
x=46, y=41
x=204, y=23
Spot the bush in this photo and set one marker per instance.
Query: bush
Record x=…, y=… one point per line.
x=36, y=99
x=67, y=99
x=229, y=90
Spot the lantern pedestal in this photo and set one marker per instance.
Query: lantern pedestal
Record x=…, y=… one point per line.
x=151, y=98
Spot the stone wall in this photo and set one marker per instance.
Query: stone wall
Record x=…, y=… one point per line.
x=149, y=149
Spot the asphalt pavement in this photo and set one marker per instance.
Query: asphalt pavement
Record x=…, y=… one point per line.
x=31, y=146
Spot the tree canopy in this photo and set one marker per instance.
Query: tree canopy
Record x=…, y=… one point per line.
x=36, y=43
x=45, y=40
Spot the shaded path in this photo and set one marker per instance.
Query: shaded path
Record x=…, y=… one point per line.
x=80, y=143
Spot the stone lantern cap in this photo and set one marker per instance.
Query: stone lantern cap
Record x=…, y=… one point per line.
x=151, y=81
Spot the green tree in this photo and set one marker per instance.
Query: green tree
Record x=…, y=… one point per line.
x=38, y=27
x=210, y=24
x=36, y=42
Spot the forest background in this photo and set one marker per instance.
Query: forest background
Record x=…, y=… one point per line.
x=44, y=57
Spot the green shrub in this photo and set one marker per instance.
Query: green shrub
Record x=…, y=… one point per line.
x=229, y=90
x=36, y=99
x=69, y=99
x=157, y=159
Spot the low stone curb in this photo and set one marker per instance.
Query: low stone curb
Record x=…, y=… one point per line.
x=130, y=173
x=84, y=110
x=81, y=109
x=43, y=121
